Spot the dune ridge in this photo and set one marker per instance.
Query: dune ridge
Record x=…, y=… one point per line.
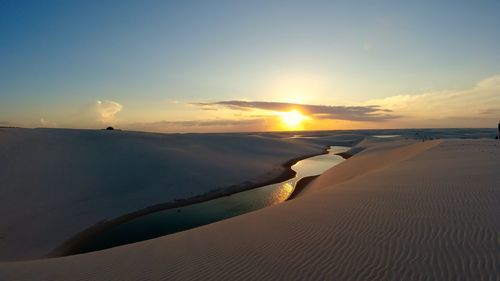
x=375, y=156
x=433, y=216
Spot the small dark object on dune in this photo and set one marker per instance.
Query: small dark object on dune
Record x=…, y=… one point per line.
x=110, y=128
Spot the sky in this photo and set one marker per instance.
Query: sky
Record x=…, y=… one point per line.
x=218, y=66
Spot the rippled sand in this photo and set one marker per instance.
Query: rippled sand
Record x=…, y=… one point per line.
x=398, y=211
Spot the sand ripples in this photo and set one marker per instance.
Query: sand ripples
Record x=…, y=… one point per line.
x=412, y=221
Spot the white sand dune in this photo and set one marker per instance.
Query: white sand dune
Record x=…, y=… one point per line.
x=56, y=183
x=416, y=211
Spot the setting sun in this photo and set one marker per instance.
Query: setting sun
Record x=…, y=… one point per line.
x=292, y=119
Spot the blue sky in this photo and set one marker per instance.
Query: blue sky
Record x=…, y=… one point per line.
x=67, y=62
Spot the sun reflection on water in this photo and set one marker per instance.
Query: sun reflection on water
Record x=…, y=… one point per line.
x=281, y=194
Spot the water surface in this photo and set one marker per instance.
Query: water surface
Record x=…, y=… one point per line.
x=178, y=219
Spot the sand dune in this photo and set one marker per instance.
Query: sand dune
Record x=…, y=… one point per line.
x=375, y=156
x=55, y=183
x=431, y=212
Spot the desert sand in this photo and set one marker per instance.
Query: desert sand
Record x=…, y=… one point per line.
x=56, y=183
x=401, y=210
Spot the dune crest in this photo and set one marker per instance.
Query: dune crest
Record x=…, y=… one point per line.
x=372, y=156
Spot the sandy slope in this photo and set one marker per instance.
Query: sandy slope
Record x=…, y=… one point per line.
x=431, y=212
x=376, y=155
x=56, y=183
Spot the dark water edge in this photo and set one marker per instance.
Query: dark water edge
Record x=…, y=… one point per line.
x=303, y=182
x=83, y=241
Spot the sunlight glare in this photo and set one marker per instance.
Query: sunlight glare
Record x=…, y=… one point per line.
x=292, y=119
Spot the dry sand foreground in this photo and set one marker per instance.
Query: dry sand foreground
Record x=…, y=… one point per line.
x=395, y=211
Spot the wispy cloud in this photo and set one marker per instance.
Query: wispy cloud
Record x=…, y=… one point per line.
x=47, y=124
x=373, y=113
x=94, y=115
x=4, y=123
x=491, y=111
x=106, y=110
x=202, y=125
x=480, y=103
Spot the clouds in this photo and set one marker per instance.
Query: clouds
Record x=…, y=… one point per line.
x=106, y=110
x=476, y=106
x=47, y=124
x=92, y=115
x=207, y=125
x=372, y=113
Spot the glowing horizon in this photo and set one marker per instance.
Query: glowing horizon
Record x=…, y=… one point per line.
x=293, y=119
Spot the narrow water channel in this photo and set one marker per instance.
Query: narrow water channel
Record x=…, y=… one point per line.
x=178, y=219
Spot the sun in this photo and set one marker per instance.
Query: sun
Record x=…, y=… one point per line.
x=293, y=119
